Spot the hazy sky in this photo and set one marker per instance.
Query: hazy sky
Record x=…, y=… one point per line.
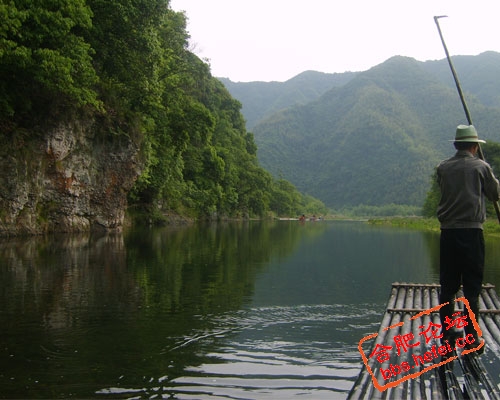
x=266, y=40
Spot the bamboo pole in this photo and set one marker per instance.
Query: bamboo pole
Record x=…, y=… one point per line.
x=462, y=99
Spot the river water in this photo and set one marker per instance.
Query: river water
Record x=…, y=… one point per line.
x=249, y=310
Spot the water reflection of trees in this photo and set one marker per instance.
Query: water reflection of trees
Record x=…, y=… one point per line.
x=57, y=274
x=492, y=260
x=89, y=306
x=169, y=269
x=208, y=266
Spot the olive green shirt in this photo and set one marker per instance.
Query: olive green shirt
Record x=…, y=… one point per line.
x=465, y=181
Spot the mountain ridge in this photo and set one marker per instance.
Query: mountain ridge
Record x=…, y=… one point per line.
x=262, y=99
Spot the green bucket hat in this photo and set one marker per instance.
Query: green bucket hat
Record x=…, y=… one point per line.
x=467, y=133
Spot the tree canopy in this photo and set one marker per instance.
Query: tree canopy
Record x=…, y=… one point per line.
x=45, y=63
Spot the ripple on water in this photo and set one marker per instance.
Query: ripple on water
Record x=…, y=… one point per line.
x=275, y=352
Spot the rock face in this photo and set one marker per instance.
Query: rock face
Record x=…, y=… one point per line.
x=68, y=178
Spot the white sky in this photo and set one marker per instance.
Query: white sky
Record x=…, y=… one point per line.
x=266, y=40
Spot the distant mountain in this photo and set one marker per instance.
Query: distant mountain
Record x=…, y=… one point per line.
x=262, y=99
x=376, y=139
x=478, y=75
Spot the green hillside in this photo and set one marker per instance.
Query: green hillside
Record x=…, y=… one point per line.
x=374, y=140
x=262, y=99
x=478, y=75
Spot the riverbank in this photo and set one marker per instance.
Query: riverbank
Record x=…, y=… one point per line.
x=491, y=226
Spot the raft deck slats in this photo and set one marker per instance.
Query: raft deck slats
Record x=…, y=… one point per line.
x=462, y=378
x=417, y=310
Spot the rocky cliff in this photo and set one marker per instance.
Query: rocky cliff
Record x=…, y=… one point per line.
x=67, y=178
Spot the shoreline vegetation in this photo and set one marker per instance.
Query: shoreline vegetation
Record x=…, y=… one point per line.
x=491, y=226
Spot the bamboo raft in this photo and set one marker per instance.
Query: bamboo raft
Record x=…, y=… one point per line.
x=410, y=309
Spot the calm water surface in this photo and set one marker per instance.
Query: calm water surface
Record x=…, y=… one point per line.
x=231, y=311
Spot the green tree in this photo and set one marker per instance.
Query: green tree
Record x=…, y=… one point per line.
x=286, y=199
x=45, y=63
x=311, y=205
x=128, y=49
x=432, y=199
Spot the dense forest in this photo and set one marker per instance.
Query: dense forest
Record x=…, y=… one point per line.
x=370, y=143
x=262, y=99
x=127, y=64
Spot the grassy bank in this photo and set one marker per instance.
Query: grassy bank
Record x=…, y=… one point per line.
x=491, y=226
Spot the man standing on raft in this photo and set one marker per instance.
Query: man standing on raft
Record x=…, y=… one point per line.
x=464, y=181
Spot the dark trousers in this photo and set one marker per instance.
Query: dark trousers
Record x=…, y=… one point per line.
x=461, y=262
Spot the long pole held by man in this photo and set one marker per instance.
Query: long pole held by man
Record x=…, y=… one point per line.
x=462, y=98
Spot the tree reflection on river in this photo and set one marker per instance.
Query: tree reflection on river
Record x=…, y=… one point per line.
x=236, y=310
